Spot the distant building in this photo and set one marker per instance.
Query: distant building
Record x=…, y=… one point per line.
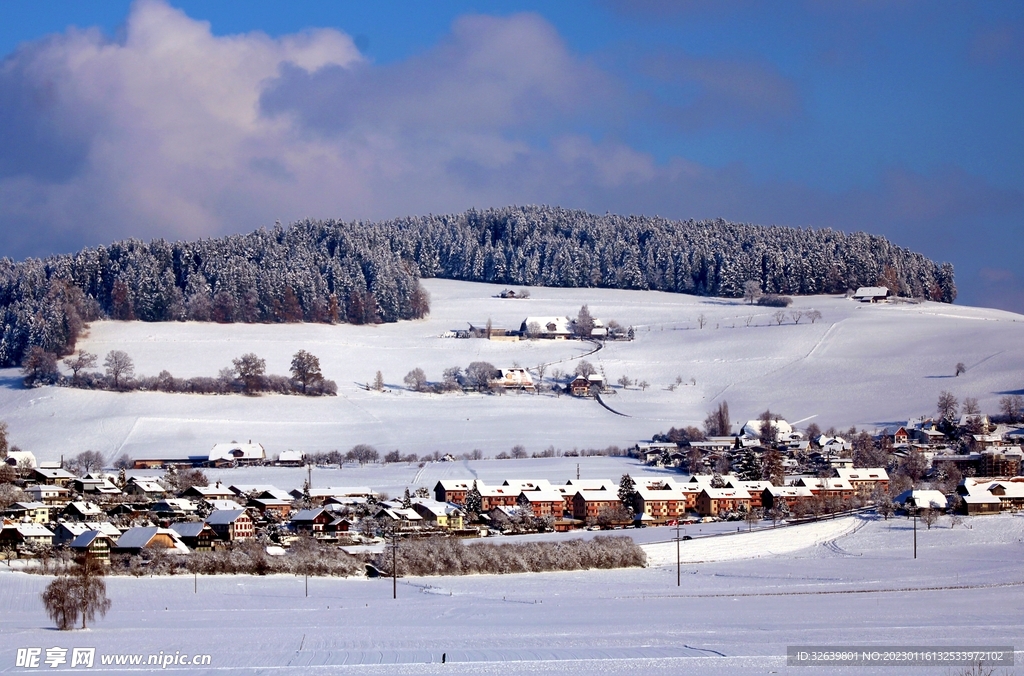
x=871, y=294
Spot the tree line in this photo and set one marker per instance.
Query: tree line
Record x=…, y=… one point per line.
x=363, y=272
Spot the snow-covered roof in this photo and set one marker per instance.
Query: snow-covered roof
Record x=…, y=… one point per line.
x=726, y=493
x=852, y=474
x=782, y=428
x=290, y=456
x=141, y=536
x=270, y=489
x=18, y=457
x=236, y=451
x=223, y=517
x=222, y=505
x=307, y=514
x=555, y=325
x=660, y=494
x=592, y=484
x=543, y=495
x=86, y=508
x=86, y=538
x=437, y=508
x=871, y=292
x=33, y=530
x=527, y=484
x=922, y=499
x=188, y=529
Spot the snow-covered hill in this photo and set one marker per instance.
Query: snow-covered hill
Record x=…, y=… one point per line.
x=864, y=365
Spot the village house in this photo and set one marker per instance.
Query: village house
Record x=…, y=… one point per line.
x=663, y=505
x=21, y=459
x=83, y=511
x=232, y=525
x=14, y=535
x=52, y=476
x=400, y=517
x=216, y=492
x=65, y=532
x=911, y=500
x=439, y=514
x=92, y=484
x=290, y=459
x=271, y=508
x=174, y=508
x=198, y=536
x=788, y=497
x=871, y=294
x=979, y=495
x=134, y=540
x=93, y=544
x=144, y=487
x=514, y=378
x=865, y=480
x=48, y=495
x=453, y=490
x=36, y=512
x=222, y=455
x=311, y=522
x=550, y=328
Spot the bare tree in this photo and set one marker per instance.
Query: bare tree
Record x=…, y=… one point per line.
x=643, y=385
x=625, y=382
x=779, y=317
x=751, y=291
x=81, y=594
x=1010, y=406
x=119, y=366
x=749, y=320
x=970, y=406
x=797, y=315
x=929, y=516
x=813, y=315
x=701, y=320
x=960, y=368
x=416, y=380
x=479, y=375
x=250, y=369
x=39, y=367
x=80, y=361
x=541, y=370
x=378, y=382
x=306, y=368
x=947, y=405
x=451, y=377
x=519, y=451
x=585, y=369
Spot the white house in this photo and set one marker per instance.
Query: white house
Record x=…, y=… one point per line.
x=558, y=328
x=871, y=294
x=235, y=452
x=783, y=430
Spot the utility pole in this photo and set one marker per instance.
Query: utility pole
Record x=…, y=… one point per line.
x=307, y=585
x=678, y=559
x=915, y=532
x=394, y=562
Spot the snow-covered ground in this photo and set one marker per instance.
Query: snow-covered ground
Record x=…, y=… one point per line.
x=859, y=364
x=859, y=585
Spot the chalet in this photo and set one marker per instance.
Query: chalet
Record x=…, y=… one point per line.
x=31, y=534
x=551, y=328
x=52, y=477
x=921, y=499
x=134, y=540
x=871, y=294
x=221, y=505
x=271, y=507
x=232, y=525
x=21, y=459
x=49, y=495
x=787, y=497
x=581, y=386
x=900, y=437
x=453, y=490
x=36, y=512
x=543, y=503
x=399, y=516
x=832, y=446
x=175, y=508
x=515, y=378
x=144, y=487
x=587, y=505
x=235, y=453
x=929, y=436
x=92, y=484
x=439, y=514
x=311, y=521
x=216, y=492
x=198, y=536
x=64, y=533
x=247, y=491
x=290, y=459
x=93, y=544
x=83, y=511
x=978, y=493
x=717, y=501
x=864, y=480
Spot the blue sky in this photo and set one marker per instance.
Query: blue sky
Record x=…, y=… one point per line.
x=187, y=119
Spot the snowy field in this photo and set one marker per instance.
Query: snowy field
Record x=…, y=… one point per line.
x=867, y=365
x=858, y=585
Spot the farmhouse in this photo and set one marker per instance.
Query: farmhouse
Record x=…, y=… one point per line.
x=136, y=539
x=93, y=544
x=515, y=378
x=871, y=294
x=197, y=535
x=552, y=328
x=228, y=454
x=231, y=525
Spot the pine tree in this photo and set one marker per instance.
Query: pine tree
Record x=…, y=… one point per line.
x=474, y=501
x=627, y=492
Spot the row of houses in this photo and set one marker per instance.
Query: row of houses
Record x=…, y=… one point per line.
x=659, y=499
